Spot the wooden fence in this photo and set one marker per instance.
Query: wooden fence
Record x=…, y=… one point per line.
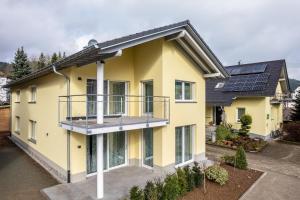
x=4, y=119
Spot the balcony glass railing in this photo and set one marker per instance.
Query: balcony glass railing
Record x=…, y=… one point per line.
x=83, y=108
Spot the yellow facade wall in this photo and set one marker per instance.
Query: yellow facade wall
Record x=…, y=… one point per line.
x=256, y=107
x=50, y=138
x=159, y=61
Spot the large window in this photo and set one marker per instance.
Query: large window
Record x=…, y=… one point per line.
x=32, y=131
x=184, y=90
x=183, y=144
x=240, y=113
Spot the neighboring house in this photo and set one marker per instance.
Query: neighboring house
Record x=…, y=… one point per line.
x=138, y=100
x=258, y=89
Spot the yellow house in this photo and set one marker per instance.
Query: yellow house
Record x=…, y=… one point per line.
x=137, y=100
x=257, y=89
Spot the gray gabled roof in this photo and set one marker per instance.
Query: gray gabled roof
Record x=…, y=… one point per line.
x=220, y=96
x=105, y=49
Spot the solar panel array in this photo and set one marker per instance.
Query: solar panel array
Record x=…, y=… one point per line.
x=244, y=83
x=248, y=69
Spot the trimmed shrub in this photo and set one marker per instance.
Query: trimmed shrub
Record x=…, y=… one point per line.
x=222, y=132
x=182, y=181
x=136, y=193
x=246, y=121
x=240, y=158
x=150, y=192
x=198, y=175
x=189, y=178
x=171, y=189
x=217, y=174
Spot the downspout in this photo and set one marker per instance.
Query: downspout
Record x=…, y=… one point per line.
x=68, y=116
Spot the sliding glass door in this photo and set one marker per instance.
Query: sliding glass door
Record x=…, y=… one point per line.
x=117, y=100
x=91, y=88
x=183, y=144
x=114, y=151
x=148, y=147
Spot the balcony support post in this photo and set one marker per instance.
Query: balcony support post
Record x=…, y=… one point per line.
x=100, y=91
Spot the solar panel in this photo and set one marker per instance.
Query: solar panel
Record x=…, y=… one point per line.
x=244, y=83
x=248, y=69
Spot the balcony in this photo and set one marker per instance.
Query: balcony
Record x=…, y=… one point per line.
x=120, y=112
x=280, y=98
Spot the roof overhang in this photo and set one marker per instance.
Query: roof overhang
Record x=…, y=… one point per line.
x=183, y=33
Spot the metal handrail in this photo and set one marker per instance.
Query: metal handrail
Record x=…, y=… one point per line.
x=120, y=107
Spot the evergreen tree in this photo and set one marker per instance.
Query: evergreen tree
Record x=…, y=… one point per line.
x=64, y=55
x=54, y=58
x=20, y=64
x=42, y=61
x=59, y=56
x=240, y=158
x=295, y=115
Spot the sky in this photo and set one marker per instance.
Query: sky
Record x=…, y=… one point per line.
x=235, y=30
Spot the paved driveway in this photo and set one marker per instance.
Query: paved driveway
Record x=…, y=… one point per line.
x=20, y=176
x=280, y=161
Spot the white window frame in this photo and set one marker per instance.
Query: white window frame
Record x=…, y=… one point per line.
x=32, y=131
x=183, y=146
x=17, y=124
x=237, y=114
x=183, y=91
x=33, y=94
x=18, y=96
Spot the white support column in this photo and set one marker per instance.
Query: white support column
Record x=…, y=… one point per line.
x=100, y=91
x=100, y=182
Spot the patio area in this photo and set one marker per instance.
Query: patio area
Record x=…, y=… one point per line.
x=117, y=184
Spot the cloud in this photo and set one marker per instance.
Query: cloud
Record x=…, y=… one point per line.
x=250, y=31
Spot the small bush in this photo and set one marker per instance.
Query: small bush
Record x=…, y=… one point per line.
x=150, y=191
x=217, y=174
x=181, y=181
x=240, y=158
x=198, y=175
x=159, y=188
x=246, y=121
x=171, y=189
x=189, y=178
x=222, y=132
x=136, y=193
x=229, y=160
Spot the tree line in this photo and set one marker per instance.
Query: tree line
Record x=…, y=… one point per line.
x=22, y=65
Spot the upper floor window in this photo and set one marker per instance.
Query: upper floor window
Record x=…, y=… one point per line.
x=32, y=94
x=184, y=90
x=240, y=113
x=17, y=125
x=18, y=96
x=32, y=131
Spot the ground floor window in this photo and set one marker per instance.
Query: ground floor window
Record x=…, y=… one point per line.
x=183, y=144
x=240, y=113
x=114, y=151
x=148, y=147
